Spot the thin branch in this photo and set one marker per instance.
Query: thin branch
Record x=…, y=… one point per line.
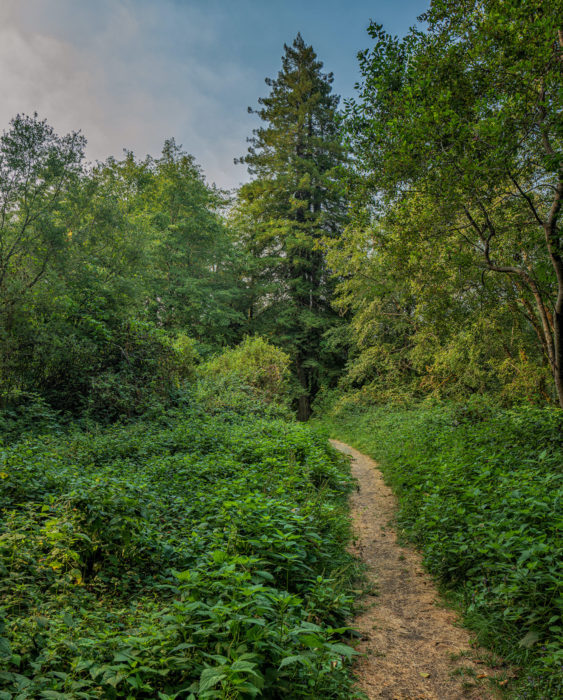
x=528, y=199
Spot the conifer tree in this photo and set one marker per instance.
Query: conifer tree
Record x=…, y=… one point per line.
x=294, y=202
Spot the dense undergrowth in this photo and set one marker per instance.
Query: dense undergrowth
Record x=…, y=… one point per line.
x=185, y=555
x=480, y=492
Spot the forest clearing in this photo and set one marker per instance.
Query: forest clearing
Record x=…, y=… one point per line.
x=301, y=437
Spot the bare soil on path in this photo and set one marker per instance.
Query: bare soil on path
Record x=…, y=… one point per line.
x=409, y=640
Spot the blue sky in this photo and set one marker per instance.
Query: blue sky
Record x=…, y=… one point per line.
x=130, y=73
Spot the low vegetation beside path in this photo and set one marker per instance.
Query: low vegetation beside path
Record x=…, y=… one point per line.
x=195, y=553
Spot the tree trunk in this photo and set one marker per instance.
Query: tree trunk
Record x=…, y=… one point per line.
x=304, y=401
x=558, y=342
x=554, y=247
x=304, y=408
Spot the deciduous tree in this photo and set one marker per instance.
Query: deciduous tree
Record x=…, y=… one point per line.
x=468, y=116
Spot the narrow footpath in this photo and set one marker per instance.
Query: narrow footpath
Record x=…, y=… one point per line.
x=411, y=647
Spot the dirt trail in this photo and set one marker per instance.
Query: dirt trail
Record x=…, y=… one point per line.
x=408, y=641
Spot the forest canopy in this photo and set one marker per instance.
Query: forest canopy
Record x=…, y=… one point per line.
x=408, y=244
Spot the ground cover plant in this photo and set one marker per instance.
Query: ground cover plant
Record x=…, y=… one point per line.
x=481, y=493
x=184, y=555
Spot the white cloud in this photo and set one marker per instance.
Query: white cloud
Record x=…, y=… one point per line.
x=124, y=74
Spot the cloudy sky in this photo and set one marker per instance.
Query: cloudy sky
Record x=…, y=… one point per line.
x=131, y=73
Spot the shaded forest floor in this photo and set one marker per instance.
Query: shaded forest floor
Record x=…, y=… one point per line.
x=411, y=645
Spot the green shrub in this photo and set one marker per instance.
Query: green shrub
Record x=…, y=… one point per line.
x=255, y=363
x=145, y=366
x=25, y=412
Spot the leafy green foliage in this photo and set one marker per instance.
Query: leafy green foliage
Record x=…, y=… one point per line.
x=256, y=364
x=192, y=279
x=200, y=551
x=37, y=170
x=481, y=493
x=106, y=272
x=458, y=150
x=423, y=323
x=180, y=557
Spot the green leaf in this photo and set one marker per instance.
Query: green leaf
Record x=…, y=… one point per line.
x=311, y=641
x=295, y=659
x=5, y=647
x=529, y=639
x=343, y=650
x=242, y=666
x=68, y=620
x=210, y=677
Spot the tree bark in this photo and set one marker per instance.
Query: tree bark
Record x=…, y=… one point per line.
x=304, y=401
x=304, y=408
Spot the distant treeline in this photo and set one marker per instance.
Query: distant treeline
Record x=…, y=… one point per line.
x=406, y=245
